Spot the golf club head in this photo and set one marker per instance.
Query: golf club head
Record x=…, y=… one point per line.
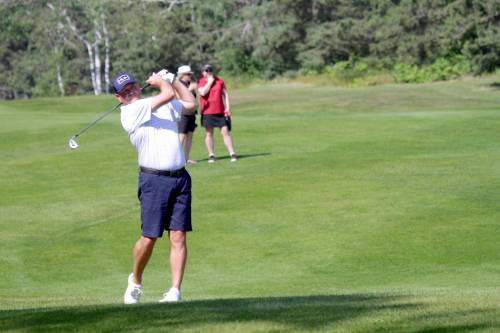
x=72, y=143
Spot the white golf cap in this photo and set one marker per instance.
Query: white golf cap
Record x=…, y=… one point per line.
x=185, y=69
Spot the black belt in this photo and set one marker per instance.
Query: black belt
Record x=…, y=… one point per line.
x=175, y=173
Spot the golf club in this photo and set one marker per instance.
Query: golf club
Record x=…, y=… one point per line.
x=72, y=141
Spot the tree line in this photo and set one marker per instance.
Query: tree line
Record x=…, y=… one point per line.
x=67, y=47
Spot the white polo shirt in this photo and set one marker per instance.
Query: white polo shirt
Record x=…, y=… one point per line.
x=154, y=134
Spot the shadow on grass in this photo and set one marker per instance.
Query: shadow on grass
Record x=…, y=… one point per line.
x=240, y=157
x=276, y=314
x=452, y=329
x=297, y=313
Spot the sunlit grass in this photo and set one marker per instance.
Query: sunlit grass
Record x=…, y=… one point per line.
x=370, y=209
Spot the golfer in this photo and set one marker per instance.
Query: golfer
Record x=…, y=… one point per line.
x=215, y=111
x=164, y=188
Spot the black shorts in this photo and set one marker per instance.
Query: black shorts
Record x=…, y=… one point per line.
x=187, y=123
x=165, y=203
x=214, y=120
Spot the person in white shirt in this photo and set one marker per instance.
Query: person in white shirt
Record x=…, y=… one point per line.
x=164, y=188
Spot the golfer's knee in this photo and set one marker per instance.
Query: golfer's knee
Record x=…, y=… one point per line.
x=147, y=241
x=177, y=239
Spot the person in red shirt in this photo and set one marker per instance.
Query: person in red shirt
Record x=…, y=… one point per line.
x=215, y=111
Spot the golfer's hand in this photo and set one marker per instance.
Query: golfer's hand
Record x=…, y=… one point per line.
x=155, y=80
x=166, y=75
x=227, y=113
x=210, y=79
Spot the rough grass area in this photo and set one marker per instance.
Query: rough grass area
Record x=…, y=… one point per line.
x=372, y=209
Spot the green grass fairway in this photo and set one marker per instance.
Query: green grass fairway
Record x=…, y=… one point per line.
x=370, y=209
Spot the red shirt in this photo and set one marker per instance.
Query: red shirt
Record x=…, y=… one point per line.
x=212, y=102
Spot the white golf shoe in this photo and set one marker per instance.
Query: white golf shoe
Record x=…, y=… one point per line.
x=133, y=292
x=173, y=295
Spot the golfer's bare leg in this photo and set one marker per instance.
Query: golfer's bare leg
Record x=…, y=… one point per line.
x=178, y=256
x=228, y=140
x=209, y=140
x=142, y=252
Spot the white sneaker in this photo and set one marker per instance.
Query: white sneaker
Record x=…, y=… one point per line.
x=173, y=295
x=133, y=292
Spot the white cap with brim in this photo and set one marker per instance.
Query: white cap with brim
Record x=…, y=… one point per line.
x=186, y=69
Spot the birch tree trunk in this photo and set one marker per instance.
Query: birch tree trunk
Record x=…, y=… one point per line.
x=59, y=40
x=106, y=54
x=97, y=61
x=88, y=46
x=60, y=81
x=91, y=65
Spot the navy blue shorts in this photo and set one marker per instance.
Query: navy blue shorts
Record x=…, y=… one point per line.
x=165, y=203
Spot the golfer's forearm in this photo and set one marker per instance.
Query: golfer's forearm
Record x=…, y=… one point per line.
x=166, y=94
x=184, y=96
